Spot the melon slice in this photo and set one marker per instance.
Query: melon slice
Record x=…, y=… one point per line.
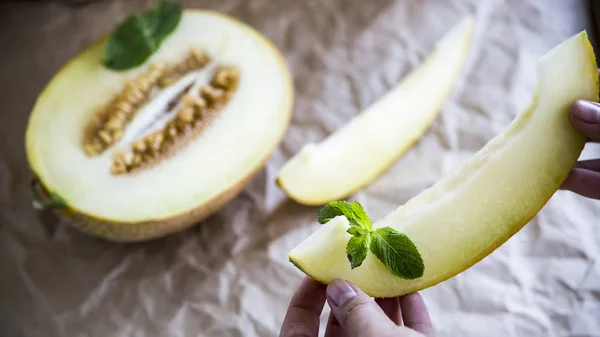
x=472, y=211
x=366, y=146
x=137, y=154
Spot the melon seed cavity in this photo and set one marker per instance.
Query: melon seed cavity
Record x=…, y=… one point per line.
x=160, y=112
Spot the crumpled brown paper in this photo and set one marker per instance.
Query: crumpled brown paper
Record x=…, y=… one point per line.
x=229, y=276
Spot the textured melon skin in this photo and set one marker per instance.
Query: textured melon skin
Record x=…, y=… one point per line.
x=137, y=231
x=152, y=229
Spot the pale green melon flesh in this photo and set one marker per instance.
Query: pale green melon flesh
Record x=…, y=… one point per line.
x=372, y=141
x=235, y=145
x=471, y=212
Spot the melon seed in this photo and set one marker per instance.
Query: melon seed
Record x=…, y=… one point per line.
x=139, y=146
x=211, y=94
x=125, y=107
x=156, y=140
x=186, y=114
x=105, y=136
x=128, y=158
x=92, y=149
x=226, y=78
x=118, y=168
x=172, y=130
x=114, y=123
x=133, y=95
x=194, y=100
x=167, y=80
x=118, y=134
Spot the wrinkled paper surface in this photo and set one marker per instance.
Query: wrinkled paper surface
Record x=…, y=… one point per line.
x=229, y=276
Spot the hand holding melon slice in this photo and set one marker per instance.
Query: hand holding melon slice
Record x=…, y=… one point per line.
x=471, y=212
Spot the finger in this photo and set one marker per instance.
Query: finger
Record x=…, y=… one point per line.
x=593, y=164
x=357, y=313
x=391, y=307
x=415, y=315
x=585, y=117
x=302, y=318
x=334, y=329
x=583, y=182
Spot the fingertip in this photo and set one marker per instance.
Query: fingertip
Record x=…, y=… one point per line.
x=415, y=314
x=391, y=307
x=583, y=182
x=310, y=283
x=310, y=295
x=302, y=317
x=586, y=111
x=584, y=116
x=573, y=110
x=412, y=300
x=568, y=183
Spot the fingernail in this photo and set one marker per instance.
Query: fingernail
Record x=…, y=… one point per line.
x=339, y=292
x=588, y=112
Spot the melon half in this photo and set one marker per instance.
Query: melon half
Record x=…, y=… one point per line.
x=472, y=211
x=138, y=154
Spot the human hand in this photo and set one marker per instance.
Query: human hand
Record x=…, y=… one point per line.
x=353, y=313
x=584, y=178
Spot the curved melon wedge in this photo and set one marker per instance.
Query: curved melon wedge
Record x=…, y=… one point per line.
x=372, y=141
x=201, y=148
x=471, y=212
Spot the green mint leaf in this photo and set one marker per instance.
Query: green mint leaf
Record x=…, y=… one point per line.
x=357, y=249
x=352, y=211
x=130, y=45
x=361, y=216
x=165, y=17
x=333, y=209
x=140, y=35
x=397, y=252
x=356, y=231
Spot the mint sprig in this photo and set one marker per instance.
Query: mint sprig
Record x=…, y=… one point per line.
x=394, y=249
x=140, y=35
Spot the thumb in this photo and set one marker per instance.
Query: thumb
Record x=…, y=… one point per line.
x=357, y=313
